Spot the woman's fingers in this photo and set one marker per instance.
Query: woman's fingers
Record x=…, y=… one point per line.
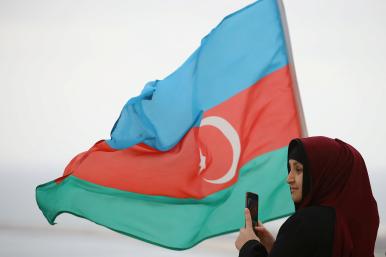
x=259, y=228
x=261, y=231
x=248, y=220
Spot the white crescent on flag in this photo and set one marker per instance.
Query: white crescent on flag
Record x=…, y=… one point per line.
x=231, y=135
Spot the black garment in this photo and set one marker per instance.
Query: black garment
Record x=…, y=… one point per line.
x=307, y=233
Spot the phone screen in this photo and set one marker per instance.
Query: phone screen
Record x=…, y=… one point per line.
x=252, y=203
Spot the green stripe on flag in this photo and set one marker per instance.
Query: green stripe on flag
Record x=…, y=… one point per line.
x=174, y=223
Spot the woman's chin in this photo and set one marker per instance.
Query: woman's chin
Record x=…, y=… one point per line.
x=295, y=199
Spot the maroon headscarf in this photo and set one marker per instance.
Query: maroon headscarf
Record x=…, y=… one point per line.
x=338, y=178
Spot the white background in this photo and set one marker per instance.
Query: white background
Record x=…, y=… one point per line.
x=68, y=67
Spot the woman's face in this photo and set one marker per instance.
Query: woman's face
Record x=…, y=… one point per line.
x=295, y=180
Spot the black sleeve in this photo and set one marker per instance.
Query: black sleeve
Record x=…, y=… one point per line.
x=253, y=248
x=290, y=242
x=294, y=239
x=309, y=232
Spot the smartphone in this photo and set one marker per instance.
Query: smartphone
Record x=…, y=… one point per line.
x=252, y=203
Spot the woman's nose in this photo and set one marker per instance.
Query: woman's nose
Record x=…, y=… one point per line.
x=290, y=177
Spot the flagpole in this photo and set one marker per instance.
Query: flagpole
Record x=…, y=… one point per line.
x=292, y=69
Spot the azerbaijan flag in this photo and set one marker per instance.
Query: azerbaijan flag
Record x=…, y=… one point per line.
x=184, y=152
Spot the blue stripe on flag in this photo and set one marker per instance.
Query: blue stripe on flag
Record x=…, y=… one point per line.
x=245, y=47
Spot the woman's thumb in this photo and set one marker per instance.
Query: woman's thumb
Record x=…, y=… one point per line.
x=261, y=229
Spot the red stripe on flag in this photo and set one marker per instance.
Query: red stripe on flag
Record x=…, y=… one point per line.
x=264, y=116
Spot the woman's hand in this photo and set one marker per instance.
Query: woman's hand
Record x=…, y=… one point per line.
x=246, y=233
x=266, y=238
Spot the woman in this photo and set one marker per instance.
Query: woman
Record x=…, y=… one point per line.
x=336, y=213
